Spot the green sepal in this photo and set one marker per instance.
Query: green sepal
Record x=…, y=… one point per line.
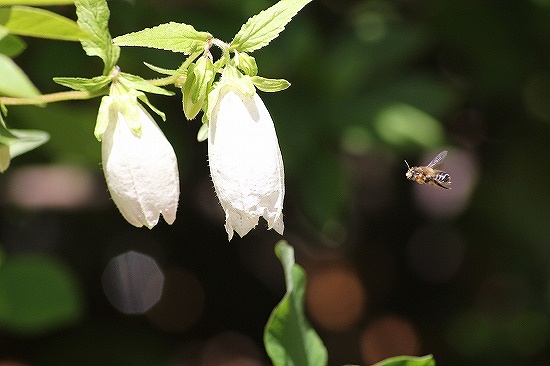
x=103, y=116
x=83, y=84
x=35, y=22
x=190, y=108
x=135, y=82
x=160, y=70
x=93, y=17
x=246, y=63
x=128, y=105
x=143, y=98
x=407, y=361
x=202, y=134
x=11, y=45
x=262, y=28
x=270, y=85
x=14, y=82
x=231, y=79
x=288, y=337
x=175, y=37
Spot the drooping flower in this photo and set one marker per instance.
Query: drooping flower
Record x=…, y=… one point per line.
x=245, y=161
x=139, y=163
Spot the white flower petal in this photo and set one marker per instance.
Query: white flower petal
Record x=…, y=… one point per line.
x=141, y=171
x=246, y=163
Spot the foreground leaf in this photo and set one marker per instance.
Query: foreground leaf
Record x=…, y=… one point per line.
x=289, y=338
x=93, y=17
x=14, y=82
x=176, y=37
x=407, y=361
x=35, y=22
x=262, y=28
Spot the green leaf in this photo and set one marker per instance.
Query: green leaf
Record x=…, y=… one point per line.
x=35, y=22
x=36, y=2
x=11, y=45
x=288, y=337
x=26, y=140
x=160, y=70
x=270, y=85
x=135, y=82
x=93, y=17
x=407, y=361
x=14, y=82
x=37, y=294
x=264, y=27
x=84, y=84
x=176, y=37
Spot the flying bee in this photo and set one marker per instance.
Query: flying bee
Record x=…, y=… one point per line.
x=429, y=174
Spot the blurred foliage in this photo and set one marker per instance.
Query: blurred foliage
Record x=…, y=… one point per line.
x=374, y=82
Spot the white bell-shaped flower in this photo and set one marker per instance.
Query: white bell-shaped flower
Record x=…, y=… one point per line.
x=139, y=163
x=245, y=162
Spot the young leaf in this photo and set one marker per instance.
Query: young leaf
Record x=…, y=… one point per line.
x=27, y=21
x=247, y=64
x=262, y=28
x=288, y=337
x=270, y=85
x=93, y=17
x=135, y=82
x=176, y=37
x=14, y=82
x=407, y=361
x=84, y=84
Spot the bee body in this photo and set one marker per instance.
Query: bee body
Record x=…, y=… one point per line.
x=429, y=174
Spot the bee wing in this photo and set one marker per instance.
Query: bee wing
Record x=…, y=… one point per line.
x=438, y=159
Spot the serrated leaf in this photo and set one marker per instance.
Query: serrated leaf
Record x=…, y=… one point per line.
x=270, y=85
x=84, y=84
x=11, y=45
x=407, y=361
x=35, y=22
x=288, y=337
x=262, y=28
x=14, y=82
x=135, y=82
x=93, y=17
x=176, y=37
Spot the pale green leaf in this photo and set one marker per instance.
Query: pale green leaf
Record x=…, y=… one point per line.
x=270, y=85
x=36, y=2
x=190, y=108
x=93, y=17
x=407, y=361
x=84, y=84
x=160, y=70
x=288, y=337
x=27, y=140
x=35, y=22
x=247, y=64
x=14, y=82
x=262, y=28
x=176, y=37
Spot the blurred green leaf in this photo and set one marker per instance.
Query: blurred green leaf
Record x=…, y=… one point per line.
x=34, y=22
x=289, y=338
x=93, y=17
x=27, y=140
x=262, y=28
x=14, y=82
x=175, y=37
x=36, y=2
x=11, y=45
x=407, y=361
x=37, y=294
